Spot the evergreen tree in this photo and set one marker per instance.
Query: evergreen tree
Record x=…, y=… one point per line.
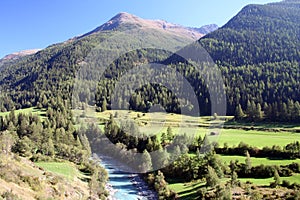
x=163, y=138
x=212, y=178
x=239, y=113
x=160, y=159
x=258, y=113
x=248, y=162
x=223, y=193
x=276, y=179
x=104, y=105
x=234, y=179
x=170, y=134
x=146, y=164
x=175, y=153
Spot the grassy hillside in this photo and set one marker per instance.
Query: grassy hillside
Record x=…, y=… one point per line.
x=67, y=170
x=23, y=179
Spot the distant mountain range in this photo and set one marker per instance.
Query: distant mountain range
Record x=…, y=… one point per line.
x=206, y=29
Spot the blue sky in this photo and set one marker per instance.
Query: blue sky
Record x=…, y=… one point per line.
x=30, y=24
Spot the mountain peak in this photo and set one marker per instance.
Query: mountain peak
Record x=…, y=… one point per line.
x=126, y=19
x=124, y=16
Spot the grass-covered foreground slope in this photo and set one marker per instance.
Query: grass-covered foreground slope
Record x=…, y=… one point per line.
x=64, y=169
x=20, y=178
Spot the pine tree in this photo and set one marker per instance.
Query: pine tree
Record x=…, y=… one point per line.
x=223, y=192
x=276, y=179
x=239, y=113
x=212, y=178
x=170, y=134
x=160, y=186
x=104, y=105
x=248, y=162
x=146, y=164
x=160, y=159
x=258, y=113
x=234, y=179
x=249, y=108
x=175, y=153
x=163, y=138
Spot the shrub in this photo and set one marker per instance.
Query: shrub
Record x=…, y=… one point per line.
x=295, y=167
x=33, y=182
x=9, y=195
x=286, y=183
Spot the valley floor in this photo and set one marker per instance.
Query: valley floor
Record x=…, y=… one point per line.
x=30, y=180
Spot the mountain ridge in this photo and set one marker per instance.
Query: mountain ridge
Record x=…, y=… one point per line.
x=257, y=28
x=122, y=18
x=125, y=18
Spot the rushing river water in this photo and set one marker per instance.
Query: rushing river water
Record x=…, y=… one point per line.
x=123, y=185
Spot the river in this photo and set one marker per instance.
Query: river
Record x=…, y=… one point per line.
x=123, y=185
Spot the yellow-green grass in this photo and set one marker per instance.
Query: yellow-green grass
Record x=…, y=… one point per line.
x=256, y=138
x=293, y=179
x=152, y=119
x=189, y=190
x=266, y=181
x=157, y=123
x=264, y=125
x=64, y=169
x=232, y=137
x=257, y=161
x=186, y=190
x=33, y=110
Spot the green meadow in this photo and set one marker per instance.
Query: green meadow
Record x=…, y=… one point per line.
x=32, y=110
x=65, y=169
x=257, y=161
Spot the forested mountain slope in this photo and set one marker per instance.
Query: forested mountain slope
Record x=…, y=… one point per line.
x=258, y=51
x=50, y=72
x=258, y=34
